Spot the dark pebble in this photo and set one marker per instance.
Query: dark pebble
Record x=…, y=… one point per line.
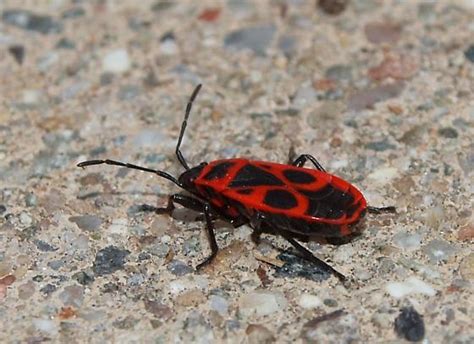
x=109, y=260
x=449, y=133
x=380, y=146
x=179, y=268
x=38, y=278
x=110, y=287
x=409, y=325
x=83, y=277
x=2, y=209
x=56, y=264
x=18, y=53
x=30, y=21
x=74, y=12
x=330, y=302
x=44, y=246
x=65, y=43
x=469, y=53
x=298, y=267
x=48, y=289
x=168, y=36
x=333, y=7
x=256, y=39
x=143, y=256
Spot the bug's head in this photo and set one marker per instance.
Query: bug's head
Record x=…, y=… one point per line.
x=187, y=178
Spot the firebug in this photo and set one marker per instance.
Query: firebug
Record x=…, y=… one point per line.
x=284, y=199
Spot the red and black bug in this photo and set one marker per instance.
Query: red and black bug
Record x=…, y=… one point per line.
x=285, y=199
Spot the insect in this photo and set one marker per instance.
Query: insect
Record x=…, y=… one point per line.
x=284, y=199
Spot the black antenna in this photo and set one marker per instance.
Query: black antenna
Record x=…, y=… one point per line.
x=126, y=164
x=179, y=155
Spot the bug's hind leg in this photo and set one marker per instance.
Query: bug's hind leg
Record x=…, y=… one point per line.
x=312, y=258
x=376, y=210
x=301, y=160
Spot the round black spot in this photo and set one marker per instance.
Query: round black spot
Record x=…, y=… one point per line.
x=280, y=199
x=300, y=177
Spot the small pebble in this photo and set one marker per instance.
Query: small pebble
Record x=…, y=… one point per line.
x=89, y=223
x=333, y=7
x=262, y=303
x=178, y=268
x=31, y=200
x=74, y=12
x=48, y=289
x=72, y=296
x=18, y=53
x=51, y=327
x=83, y=277
x=466, y=267
x=438, y=250
x=385, y=32
x=116, y=62
x=259, y=334
x=28, y=20
x=2, y=209
x=109, y=260
x=407, y=241
x=380, y=146
x=65, y=43
x=158, y=309
x=298, y=267
x=410, y=286
x=136, y=280
x=44, y=246
x=469, y=53
x=409, y=325
x=219, y=304
x=159, y=249
x=448, y=133
x=125, y=323
x=368, y=98
x=309, y=301
x=256, y=39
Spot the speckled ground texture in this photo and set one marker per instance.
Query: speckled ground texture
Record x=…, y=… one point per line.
x=381, y=92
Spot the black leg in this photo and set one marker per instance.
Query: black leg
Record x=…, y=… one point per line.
x=256, y=222
x=211, y=236
x=185, y=201
x=312, y=258
x=375, y=210
x=196, y=205
x=301, y=160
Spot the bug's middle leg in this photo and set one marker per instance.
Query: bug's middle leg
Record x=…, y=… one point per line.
x=301, y=160
x=199, y=206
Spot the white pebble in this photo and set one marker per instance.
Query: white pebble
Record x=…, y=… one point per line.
x=119, y=226
x=219, y=304
x=262, y=303
x=309, y=301
x=116, y=61
x=46, y=325
x=411, y=286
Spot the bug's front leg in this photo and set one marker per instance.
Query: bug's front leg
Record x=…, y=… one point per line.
x=186, y=201
x=301, y=160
